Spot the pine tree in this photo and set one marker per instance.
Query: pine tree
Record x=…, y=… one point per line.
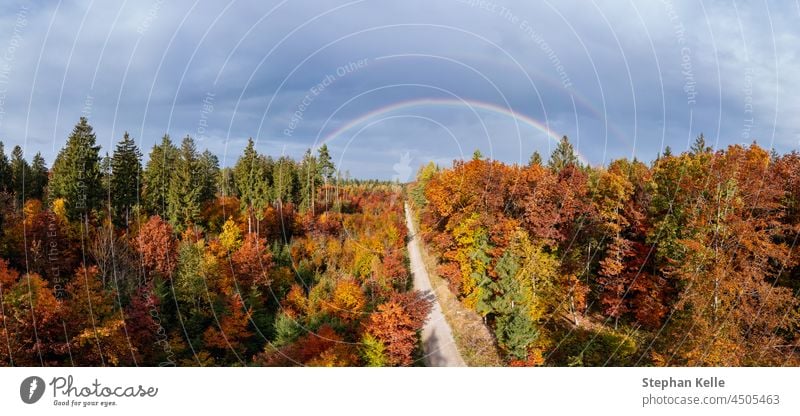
x=157, y=176
x=563, y=155
x=535, y=160
x=183, y=198
x=39, y=177
x=477, y=155
x=5, y=171
x=126, y=166
x=667, y=152
x=20, y=175
x=76, y=172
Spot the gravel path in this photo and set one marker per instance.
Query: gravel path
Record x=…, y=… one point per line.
x=437, y=337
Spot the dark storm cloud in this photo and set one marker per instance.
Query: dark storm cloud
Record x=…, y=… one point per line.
x=620, y=79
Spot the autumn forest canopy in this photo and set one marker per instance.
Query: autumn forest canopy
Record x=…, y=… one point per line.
x=688, y=260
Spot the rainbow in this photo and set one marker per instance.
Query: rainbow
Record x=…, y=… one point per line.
x=445, y=102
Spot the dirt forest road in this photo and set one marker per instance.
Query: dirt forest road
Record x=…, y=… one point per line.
x=437, y=337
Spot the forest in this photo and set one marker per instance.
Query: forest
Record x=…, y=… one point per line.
x=690, y=260
x=105, y=262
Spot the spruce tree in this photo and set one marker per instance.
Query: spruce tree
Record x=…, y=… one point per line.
x=667, y=151
x=250, y=176
x=76, y=172
x=208, y=171
x=39, y=178
x=126, y=166
x=5, y=171
x=563, y=155
x=183, y=198
x=20, y=175
x=157, y=176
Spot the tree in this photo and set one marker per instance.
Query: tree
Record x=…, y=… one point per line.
x=284, y=180
x=310, y=180
x=209, y=173
x=326, y=166
x=157, y=176
x=183, y=199
x=536, y=159
x=5, y=171
x=126, y=166
x=699, y=145
x=251, y=177
x=93, y=323
x=563, y=156
x=667, y=152
x=32, y=321
x=76, y=175
x=20, y=175
x=39, y=177
x=477, y=155
x=395, y=330
x=158, y=247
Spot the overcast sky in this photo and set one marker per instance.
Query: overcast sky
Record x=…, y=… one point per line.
x=392, y=85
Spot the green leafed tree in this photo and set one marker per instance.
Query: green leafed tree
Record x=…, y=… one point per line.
x=126, y=165
x=76, y=175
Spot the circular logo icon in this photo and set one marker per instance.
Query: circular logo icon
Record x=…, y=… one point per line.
x=31, y=389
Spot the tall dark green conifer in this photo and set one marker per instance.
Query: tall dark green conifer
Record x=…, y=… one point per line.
x=5, y=171
x=208, y=171
x=126, y=165
x=183, y=198
x=39, y=177
x=252, y=175
x=76, y=172
x=157, y=176
x=20, y=175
